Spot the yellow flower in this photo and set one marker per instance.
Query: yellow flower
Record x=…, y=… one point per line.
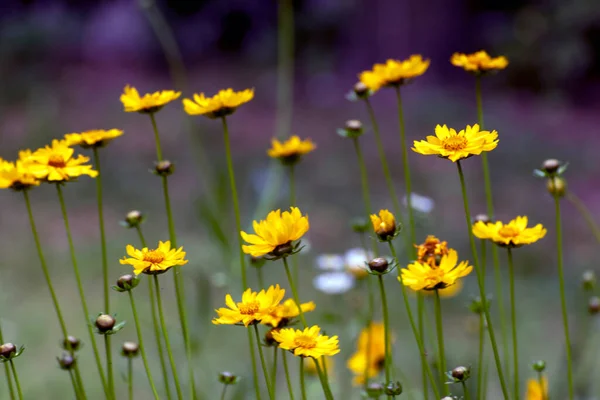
x=384, y=224
x=431, y=250
x=307, y=343
x=394, y=72
x=278, y=229
x=447, y=143
x=148, y=103
x=291, y=150
x=93, y=138
x=478, y=62
x=16, y=176
x=55, y=163
x=310, y=367
x=419, y=276
x=535, y=390
x=154, y=261
x=220, y=105
x=283, y=313
x=253, y=307
x=374, y=359
x=514, y=234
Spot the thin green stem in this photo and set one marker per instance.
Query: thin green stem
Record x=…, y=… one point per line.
x=302, y=383
x=370, y=313
x=292, y=183
x=440, y=339
x=480, y=392
x=421, y=329
x=165, y=333
x=16, y=377
x=324, y=381
x=480, y=283
x=274, y=373
x=263, y=363
x=142, y=347
x=386, y=329
x=563, y=300
x=223, y=392
x=285, y=67
x=466, y=391
x=11, y=388
x=78, y=379
x=84, y=306
x=102, y=232
x=130, y=377
x=585, y=213
x=159, y=155
x=73, y=383
x=109, y=366
x=287, y=375
x=294, y=291
x=513, y=316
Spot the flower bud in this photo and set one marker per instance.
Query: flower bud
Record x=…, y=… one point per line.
x=283, y=250
x=539, y=366
x=379, y=265
x=105, y=323
x=134, y=218
x=461, y=374
x=227, y=378
x=482, y=218
x=66, y=361
x=71, y=343
x=130, y=349
x=126, y=282
x=589, y=280
x=361, y=90
x=269, y=340
x=594, y=305
x=550, y=166
x=8, y=350
x=354, y=125
x=393, y=389
x=374, y=390
x=164, y=168
x=556, y=186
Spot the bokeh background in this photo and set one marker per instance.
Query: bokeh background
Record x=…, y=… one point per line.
x=64, y=64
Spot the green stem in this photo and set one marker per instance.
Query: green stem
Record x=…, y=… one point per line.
x=302, y=383
x=130, y=377
x=324, y=381
x=294, y=291
x=369, y=321
x=156, y=325
x=585, y=213
x=73, y=382
x=465, y=391
x=78, y=379
x=223, y=392
x=480, y=283
x=563, y=300
x=416, y=334
x=292, y=183
x=513, y=316
x=16, y=377
x=141, y=343
x=480, y=392
x=440, y=339
x=165, y=333
x=84, y=306
x=285, y=67
x=274, y=373
x=102, y=232
x=263, y=362
x=109, y=366
x=11, y=389
x=287, y=376
x=386, y=329
x=159, y=155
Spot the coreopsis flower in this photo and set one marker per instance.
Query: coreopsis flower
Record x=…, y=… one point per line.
x=56, y=163
x=394, y=72
x=422, y=276
x=154, y=261
x=308, y=342
x=283, y=313
x=252, y=309
x=148, y=103
x=513, y=234
x=431, y=251
x=311, y=368
x=479, y=62
x=224, y=103
x=370, y=354
x=93, y=138
x=16, y=176
x=384, y=225
x=275, y=234
x=535, y=390
x=290, y=151
x=447, y=143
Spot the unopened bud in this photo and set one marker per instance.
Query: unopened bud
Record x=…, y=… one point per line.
x=379, y=265
x=134, y=218
x=374, y=390
x=360, y=89
x=354, y=125
x=105, y=323
x=164, y=168
x=66, y=361
x=8, y=350
x=71, y=343
x=283, y=250
x=539, y=366
x=130, y=349
x=126, y=282
x=556, y=186
x=588, y=280
x=551, y=165
x=461, y=374
x=227, y=378
x=594, y=305
x=393, y=389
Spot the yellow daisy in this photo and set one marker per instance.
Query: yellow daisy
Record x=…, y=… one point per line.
x=16, y=176
x=154, y=261
x=252, y=309
x=513, y=234
x=308, y=342
x=148, y=103
x=276, y=232
x=422, y=276
x=447, y=143
x=478, y=62
x=369, y=355
x=384, y=224
x=224, y=103
x=93, y=138
x=283, y=313
x=535, y=390
x=55, y=163
x=291, y=150
x=394, y=72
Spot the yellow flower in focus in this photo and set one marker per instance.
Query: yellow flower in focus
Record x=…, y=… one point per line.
x=290, y=151
x=283, y=313
x=308, y=342
x=310, y=367
x=384, y=224
x=447, y=143
x=276, y=232
x=422, y=276
x=394, y=72
x=154, y=261
x=535, y=390
x=514, y=234
x=252, y=309
x=478, y=62
x=431, y=250
x=55, y=163
x=224, y=103
x=374, y=359
x=16, y=176
x=93, y=138
x=148, y=103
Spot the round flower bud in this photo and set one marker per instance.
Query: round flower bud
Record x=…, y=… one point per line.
x=556, y=186
x=105, y=323
x=393, y=389
x=551, y=165
x=589, y=280
x=164, y=168
x=374, y=390
x=130, y=349
x=7, y=350
x=461, y=373
x=126, y=282
x=66, y=361
x=594, y=305
x=539, y=366
x=227, y=378
x=283, y=250
x=71, y=343
x=134, y=218
x=360, y=89
x=482, y=218
x=354, y=125
x=379, y=265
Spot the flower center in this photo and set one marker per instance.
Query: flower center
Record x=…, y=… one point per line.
x=455, y=143
x=508, y=231
x=154, y=256
x=57, y=161
x=306, y=342
x=249, y=308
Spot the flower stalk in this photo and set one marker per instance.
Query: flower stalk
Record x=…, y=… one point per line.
x=302, y=382
x=263, y=363
x=287, y=375
x=16, y=377
x=440, y=340
x=386, y=324
x=513, y=316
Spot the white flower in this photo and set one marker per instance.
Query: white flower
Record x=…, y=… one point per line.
x=333, y=282
x=419, y=203
x=330, y=262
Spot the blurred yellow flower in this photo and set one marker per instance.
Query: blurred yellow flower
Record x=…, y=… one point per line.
x=283, y=313
x=278, y=229
x=224, y=103
x=384, y=224
x=308, y=342
x=370, y=355
x=310, y=367
x=394, y=72
x=93, y=138
x=513, y=234
x=535, y=390
x=154, y=261
x=431, y=250
x=55, y=163
x=422, y=276
x=291, y=150
x=16, y=176
x=478, y=62
x=447, y=143
x=252, y=309
x=148, y=103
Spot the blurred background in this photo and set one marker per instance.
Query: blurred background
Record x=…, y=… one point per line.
x=64, y=65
